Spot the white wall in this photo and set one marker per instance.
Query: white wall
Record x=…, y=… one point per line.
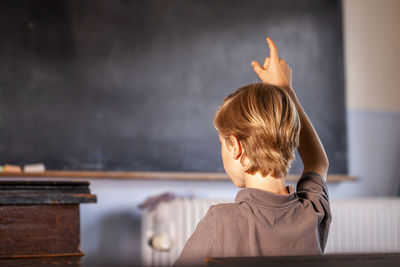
x=372, y=71
x=372, y=54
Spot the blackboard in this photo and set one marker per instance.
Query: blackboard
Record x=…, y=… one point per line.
x=134, y=85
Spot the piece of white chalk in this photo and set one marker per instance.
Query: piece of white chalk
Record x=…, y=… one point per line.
x=38, y=167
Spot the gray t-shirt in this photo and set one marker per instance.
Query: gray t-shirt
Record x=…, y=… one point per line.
x=261, y=223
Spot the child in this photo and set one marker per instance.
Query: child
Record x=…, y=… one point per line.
x=259, y=130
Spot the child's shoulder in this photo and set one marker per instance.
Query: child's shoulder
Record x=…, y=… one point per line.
x=222, y=210
x=223, y=206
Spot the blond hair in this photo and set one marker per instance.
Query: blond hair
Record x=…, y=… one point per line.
x=265, y=120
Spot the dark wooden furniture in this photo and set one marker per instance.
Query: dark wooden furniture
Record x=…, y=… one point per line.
x=40, y=222
x=353, y=260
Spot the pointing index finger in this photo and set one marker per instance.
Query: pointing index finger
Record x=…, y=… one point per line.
x=272, y=49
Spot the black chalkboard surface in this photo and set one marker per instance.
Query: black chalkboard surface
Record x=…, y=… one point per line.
x=134, y=85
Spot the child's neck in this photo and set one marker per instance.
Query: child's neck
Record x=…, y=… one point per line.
x=267, y=183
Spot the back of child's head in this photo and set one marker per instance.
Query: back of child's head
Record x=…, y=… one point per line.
x=265, y=120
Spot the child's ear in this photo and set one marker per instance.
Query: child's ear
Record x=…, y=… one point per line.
x=237, y=148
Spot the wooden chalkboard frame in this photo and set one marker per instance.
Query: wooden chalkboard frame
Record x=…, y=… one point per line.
x=211, y=176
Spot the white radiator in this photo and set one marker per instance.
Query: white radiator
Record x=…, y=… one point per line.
x=358, y=225
x=364, y=225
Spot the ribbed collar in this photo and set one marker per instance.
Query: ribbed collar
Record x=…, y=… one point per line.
x=264, y=198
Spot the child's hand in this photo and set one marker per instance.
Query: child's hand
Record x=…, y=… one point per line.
x=275, y=70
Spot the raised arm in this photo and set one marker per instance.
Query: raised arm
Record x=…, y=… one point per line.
x=276, y=71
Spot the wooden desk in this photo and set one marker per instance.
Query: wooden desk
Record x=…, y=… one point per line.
x=353, y=260
x=40, y=220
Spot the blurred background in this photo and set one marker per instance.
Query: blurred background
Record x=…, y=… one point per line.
x=355, y=50
x=371, y=41
x=372, y=87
